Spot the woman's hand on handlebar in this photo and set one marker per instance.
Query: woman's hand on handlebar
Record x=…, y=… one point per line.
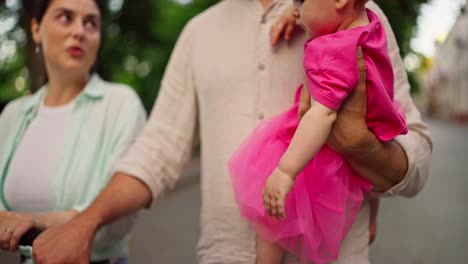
x=12, y=227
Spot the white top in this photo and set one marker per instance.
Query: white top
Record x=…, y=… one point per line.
x=29, y=181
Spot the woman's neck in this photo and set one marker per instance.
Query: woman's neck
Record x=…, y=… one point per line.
x=62, y=90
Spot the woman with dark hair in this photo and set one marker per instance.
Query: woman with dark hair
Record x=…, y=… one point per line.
x=59, y=146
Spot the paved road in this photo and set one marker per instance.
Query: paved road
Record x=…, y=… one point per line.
x=432, y=228
x=429, y=229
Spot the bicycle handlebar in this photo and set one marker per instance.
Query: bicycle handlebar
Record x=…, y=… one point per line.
x=28, y=238
x=33, y=233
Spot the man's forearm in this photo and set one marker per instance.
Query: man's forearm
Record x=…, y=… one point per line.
x=124, y=195
x=385, y=165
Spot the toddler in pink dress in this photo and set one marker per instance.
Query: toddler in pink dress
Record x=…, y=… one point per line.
x=285, y=166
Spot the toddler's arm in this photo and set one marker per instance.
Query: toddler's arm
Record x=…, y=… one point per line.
x=310, y=135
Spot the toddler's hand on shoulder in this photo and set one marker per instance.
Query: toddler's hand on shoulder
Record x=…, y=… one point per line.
x=276, y=189
x=286, y=25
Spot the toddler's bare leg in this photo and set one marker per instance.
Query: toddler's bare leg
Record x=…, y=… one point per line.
x=268, y=253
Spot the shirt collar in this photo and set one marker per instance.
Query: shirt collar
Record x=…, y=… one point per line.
x=94, y=89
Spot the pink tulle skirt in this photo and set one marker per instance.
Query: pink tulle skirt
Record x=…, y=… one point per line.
x=322, y=205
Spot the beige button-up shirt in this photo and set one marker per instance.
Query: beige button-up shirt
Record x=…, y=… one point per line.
x=224, y=78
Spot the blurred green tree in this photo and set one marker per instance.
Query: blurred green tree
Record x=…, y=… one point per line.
x=137, y=40
x=403, y=15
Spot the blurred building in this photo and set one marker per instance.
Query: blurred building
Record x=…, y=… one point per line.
x=445, y=85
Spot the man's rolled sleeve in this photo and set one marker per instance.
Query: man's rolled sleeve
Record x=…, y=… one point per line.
x=417, y=144
x=418, y=154
x=165, y=145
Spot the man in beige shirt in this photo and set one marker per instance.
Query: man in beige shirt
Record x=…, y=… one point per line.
x=223, y=78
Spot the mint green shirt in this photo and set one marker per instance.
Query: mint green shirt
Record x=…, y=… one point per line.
x=106, y=120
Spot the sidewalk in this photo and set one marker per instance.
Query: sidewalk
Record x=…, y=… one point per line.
x=169, y=232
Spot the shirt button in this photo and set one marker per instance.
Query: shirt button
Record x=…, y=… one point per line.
x=260, y=116
x=261, y=67
x=264, y=20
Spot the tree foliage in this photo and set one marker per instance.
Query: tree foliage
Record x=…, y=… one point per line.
x=137, y=40
x=402, y=15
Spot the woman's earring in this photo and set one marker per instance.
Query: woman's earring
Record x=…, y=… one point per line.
x=37, y=50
